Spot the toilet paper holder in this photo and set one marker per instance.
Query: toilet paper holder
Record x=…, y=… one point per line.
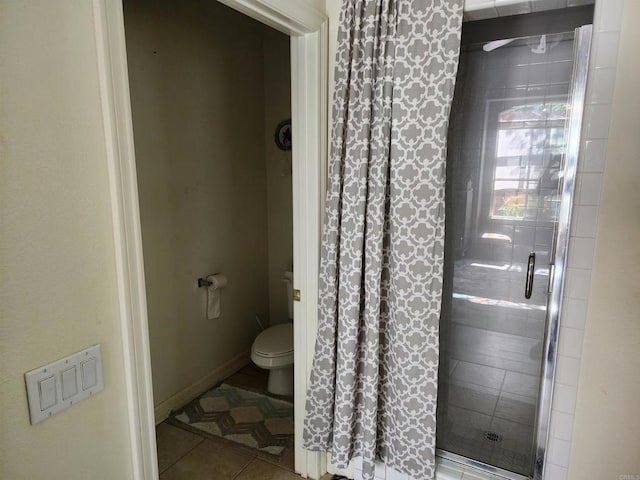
x=203, y=282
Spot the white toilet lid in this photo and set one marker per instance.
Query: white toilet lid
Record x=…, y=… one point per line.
x=275, y=341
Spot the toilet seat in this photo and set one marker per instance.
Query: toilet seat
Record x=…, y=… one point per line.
x=275, y=341
x=273, y=348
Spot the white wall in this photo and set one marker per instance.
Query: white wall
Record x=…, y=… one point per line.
x=198, y=117
x=607, y=418
x=277, y=107
x=577, y=298
x=58, y=281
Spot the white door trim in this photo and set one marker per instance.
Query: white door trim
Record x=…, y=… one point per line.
x=309, y=127
x=309, y=36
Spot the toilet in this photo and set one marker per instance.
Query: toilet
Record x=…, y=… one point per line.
x=273, y=349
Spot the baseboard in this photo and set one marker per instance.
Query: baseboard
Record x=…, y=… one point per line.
x=184, y=396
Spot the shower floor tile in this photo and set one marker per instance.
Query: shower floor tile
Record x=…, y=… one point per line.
x=521, y=384
x=516, y=408
x=482, y=375
x=473, y=397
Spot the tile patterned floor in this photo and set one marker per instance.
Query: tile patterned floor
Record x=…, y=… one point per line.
x=184, y=455
x=488, y=386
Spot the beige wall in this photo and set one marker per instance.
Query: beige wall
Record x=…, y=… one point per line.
x=606, y=443
x=277, y=107
x=57, y=265
x=196, y=76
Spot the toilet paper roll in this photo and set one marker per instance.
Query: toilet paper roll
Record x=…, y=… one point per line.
x=218, y=281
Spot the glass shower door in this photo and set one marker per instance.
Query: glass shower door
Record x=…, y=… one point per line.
x=506, y=162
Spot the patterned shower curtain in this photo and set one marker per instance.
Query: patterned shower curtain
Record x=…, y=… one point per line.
x=374, y=383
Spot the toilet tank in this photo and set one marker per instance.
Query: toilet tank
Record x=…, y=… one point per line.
x=288, y=279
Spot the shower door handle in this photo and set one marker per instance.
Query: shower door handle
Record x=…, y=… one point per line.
x=531, y=265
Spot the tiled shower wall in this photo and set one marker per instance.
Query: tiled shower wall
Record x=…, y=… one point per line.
x=602, y=72
x=482, y=9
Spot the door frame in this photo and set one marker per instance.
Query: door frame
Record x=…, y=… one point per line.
x=308, y=29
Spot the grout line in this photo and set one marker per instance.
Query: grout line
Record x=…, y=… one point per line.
x=493, y=415
x=202, y=439
x=244, y=468
x=274, y=462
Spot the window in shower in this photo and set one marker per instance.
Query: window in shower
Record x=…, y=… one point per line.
x=529, y=147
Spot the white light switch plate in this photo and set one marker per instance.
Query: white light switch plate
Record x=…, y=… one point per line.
x=55, y=387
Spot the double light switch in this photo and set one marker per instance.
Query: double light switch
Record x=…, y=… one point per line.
x=55, y=387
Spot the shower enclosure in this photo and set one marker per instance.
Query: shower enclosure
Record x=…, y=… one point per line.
x=513, y=143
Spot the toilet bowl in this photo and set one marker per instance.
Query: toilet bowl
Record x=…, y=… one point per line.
x=273, y=351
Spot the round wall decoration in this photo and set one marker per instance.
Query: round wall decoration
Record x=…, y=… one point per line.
x=283, y=135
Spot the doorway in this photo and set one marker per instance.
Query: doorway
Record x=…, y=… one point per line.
x=308, y=30
x=209, y=89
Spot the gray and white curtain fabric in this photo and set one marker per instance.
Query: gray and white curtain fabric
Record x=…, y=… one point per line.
x=374, y=378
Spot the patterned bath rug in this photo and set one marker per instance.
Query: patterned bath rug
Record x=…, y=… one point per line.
x=243, y=417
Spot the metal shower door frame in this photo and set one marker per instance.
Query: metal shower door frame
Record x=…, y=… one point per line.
x=582, y=49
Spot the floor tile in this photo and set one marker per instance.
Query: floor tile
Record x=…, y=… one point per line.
x=173, y=443
x=516, y=437
x=255, y=379
x=477, y=374
x=261, y=470
x=468, y=419
x=473, y=397
x=250, y=377
x=493, y=349
x=207, y=461
x=520, y=384
x=285, y=460
x=516, y=408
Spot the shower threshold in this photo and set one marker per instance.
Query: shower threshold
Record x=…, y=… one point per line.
x=480, y=469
